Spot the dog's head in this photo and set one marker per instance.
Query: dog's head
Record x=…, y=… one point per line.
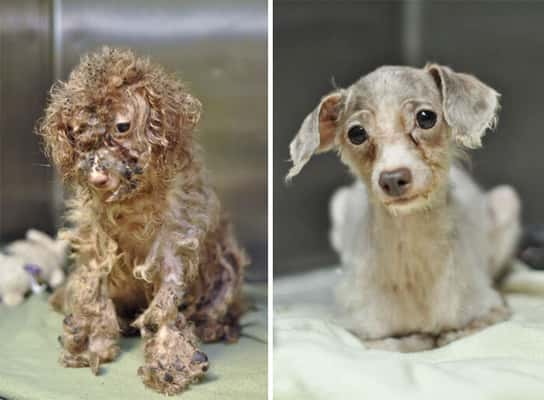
x=398, y=128
x=119, y=124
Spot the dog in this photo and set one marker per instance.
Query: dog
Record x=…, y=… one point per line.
x=153, y=251
x=421, y=243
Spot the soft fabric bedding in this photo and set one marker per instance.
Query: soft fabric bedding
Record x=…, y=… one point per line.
x=29, y=368
x=315, y=358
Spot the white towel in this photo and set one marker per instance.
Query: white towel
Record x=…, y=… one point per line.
x=315, y=358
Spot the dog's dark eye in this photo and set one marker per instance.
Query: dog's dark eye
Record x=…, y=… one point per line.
x=426, y=119
x=123, y=126
x=70, y=134
x=357, y=134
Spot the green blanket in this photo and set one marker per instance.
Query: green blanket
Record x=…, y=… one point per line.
x=29, y=369
x=316, y=358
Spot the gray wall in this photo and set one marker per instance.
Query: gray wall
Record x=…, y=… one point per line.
x=25, y=77
x=501, y=42
x=217, y=47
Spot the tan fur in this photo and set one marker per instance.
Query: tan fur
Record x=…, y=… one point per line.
x=152, y=248
x=419, y=264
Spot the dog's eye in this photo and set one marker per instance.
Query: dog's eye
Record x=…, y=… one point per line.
x=122, y=127
x=70, y=133
x=426, y=119
x=357, y=134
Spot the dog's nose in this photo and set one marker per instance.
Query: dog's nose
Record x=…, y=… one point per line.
x=98, y=178
x=395, y=183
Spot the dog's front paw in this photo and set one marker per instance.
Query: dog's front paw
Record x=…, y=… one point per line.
x=173, y=378
x=86, y=343
x=82, y=360
x=173, y=360
x=75, y=334
x=212, y=330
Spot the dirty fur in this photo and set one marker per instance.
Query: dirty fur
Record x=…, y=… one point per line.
x=419, y=263
x=153, y=251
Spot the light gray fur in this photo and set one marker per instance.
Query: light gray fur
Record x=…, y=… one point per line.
x=417, y=273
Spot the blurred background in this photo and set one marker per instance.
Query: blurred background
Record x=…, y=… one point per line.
x=501, y=42
x=218, y=47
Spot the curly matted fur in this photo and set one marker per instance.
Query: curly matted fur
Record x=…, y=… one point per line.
x=152, y=248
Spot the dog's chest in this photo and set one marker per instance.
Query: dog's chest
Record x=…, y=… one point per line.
x=130, y=295
x=413, y=273
x=134, y=230
x=134, y=227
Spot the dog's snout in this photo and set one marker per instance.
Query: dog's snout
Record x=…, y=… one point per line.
x=395, y=183
x=98, y=178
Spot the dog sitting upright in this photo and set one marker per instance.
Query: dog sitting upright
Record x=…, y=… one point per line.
x=420, y=242
x=152, y=247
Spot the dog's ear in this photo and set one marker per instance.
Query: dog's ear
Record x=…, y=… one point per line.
x=317, y=132
x=58, y=145
x=470, y=107
x=173, y=114
x=57, y=135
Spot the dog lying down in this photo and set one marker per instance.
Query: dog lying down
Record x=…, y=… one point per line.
x=421, y=243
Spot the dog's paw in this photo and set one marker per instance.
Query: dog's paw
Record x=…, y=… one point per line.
x=172, y=378
x=71, y=360
x=212, y=330
x=82, y=360
x=79, y=350
x=173, y=361
x=75, y=334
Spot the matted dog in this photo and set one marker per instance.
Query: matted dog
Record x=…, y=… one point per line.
x=420, y=241
x=153, y=250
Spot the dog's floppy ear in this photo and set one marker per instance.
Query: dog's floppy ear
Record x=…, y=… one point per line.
x=470, y=107
x=56, y=134
x=317, y=132
x=173, y=114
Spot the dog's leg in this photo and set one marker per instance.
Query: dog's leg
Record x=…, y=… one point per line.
x=494, y=316
x=212, y=328
x=226, y=327
x=90, y=329
x=218, y=317
x=172, y=358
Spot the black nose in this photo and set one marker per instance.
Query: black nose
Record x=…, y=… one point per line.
x=395, y=183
